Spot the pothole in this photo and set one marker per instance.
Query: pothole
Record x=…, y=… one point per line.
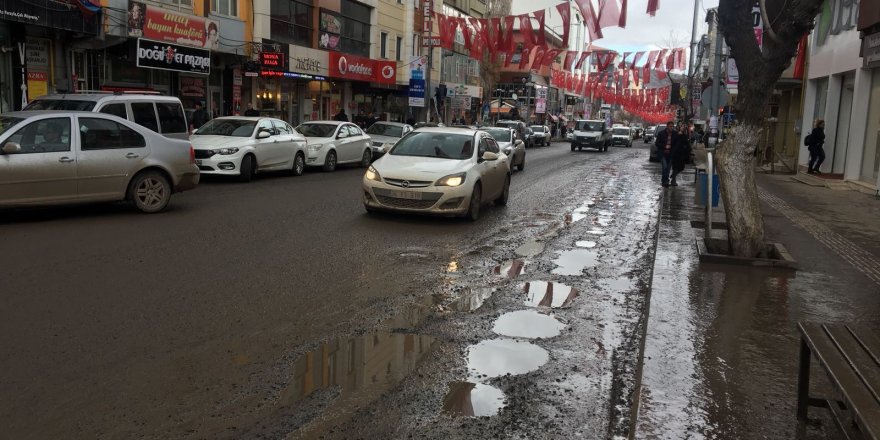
x=573, y=262
x=548, y=294
x=585, y=244
x=527, y=324
x=497, y=357
x=511, y=268
x=472, y=399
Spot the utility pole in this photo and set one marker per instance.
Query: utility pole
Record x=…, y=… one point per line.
x=428, y=80
x=692, y=70
x=715, y=99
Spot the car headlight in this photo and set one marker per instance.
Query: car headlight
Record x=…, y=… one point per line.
x=315, y=147
x=226, y=151
x=451, y=180
x=372, y=174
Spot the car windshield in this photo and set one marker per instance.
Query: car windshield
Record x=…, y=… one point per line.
x=61, y=104
x=432, y=144
x=589, y=126
x=7, y=122
x=500, y=134
x=538, y=128
x=317, y=130
x=385, y=130
x=227, y=127
x=621, y=131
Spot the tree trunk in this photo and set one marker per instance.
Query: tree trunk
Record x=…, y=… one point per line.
x=736, y=173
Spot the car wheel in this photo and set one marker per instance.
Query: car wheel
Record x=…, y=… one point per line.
x=572, y=147
x=580, y=148
x=149, y=192
x=299, y=165
x=473, y=212
x=505, y=192
x=330, y=161
x=367, y=158
x=522, y=164
x=246, y=172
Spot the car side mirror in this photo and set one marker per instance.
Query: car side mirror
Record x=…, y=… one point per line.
x=490, y=156
x=263, y=134
x=11, y=148
x=342, y=136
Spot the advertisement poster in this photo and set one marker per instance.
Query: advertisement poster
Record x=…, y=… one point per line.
x=154, y=23
x=330, y=27
x=236, y=91
x=417, y=93
x=191, y=87
x=158, y=55
x=37, y=84
x=359, y=68
x=541, y=105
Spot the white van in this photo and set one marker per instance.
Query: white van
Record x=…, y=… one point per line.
x=162, y=114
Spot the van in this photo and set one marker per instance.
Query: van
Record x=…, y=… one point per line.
x=162, y=114
x=591, y=134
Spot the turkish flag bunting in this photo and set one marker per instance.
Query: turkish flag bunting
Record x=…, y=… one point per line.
x=636, y=76
x=622, y=22
x=569, y=59
x=539, y=35
x=550, y=56
x=609, y=13
x=565, y=13
x=524, y=58
x=539, y=57
x=652, y=57
x=680, y=60
x=479, y=38
x=581, y=60
x=589, y=14
x=636, y=58
x=653, y=6
x=507, y=44
x=622, y=64
x=466, y=30
x=660, y=58
x=525, y=27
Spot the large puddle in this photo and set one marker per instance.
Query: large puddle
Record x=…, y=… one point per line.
x=511, y=268
x=527, y=324
x=498, y=357
x=574, y=262
x=548, y=294
x=473, y=399
x=589, y=244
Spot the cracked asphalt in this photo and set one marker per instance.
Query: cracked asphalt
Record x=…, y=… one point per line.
x=280, y=309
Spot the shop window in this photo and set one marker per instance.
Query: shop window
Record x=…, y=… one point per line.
x=225, y=7
x=355, y=20
x=383, y=44
x=292, y=21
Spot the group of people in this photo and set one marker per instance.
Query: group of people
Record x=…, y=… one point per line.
x=674, y=148
x=362, y=121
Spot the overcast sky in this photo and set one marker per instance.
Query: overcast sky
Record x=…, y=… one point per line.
x=642, y=32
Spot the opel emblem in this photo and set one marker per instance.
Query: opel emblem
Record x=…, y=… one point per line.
x=405, y=183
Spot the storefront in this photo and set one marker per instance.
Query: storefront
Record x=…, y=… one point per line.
x=360, y=86
x=299, y=90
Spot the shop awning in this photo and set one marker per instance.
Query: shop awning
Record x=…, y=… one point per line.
x=553, y=117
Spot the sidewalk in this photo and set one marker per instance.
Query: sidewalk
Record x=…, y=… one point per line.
x=721, y=348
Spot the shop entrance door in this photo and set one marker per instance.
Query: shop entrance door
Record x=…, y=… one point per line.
x=844, y=116
x=216, y=104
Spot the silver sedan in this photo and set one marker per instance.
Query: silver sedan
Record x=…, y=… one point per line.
x=510, y=144
x=54, y=157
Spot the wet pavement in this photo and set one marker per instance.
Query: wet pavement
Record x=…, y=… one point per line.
x=721, y=348
x=279, y=309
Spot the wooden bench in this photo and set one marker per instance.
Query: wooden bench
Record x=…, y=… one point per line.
x=850, y=355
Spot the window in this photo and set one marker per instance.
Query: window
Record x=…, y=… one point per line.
x=178, y=2
x=355, y=18
x=282, y=128
x=291, y=21
x=144, y=114
x=415, y=45
x=43, y=136
x=266, y=125
x=225, y=7
x=398, y=50
x=171, y=118
x=383, y=44
x=104, y=134
x=493, y=146
x=115, y=110
x=353, y=131
x=483, y=148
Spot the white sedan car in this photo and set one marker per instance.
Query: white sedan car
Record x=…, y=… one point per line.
x=243, y=146
x=439, y=170
x=336, y=142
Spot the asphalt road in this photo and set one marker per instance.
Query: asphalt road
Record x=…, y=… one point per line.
x=116, y=324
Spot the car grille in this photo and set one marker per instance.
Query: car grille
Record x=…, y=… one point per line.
x=409, y=184
x=205, y=168
x=405, y=203
x=204, y=154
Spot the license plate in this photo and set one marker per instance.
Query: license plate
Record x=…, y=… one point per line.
x=410, y=195
x=198, y=161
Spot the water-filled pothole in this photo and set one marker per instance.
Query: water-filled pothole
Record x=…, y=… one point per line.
x=548, y=294
x=472, y=399
x=527, y=324
x=511, y=268
x=497, y=357
x=573, y=262
x=470, y=299
x=585, y=244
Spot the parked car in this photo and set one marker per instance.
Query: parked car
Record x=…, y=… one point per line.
x=336, y=142
x=445, y=171
x=591, y=134
x=621, y=136
x=162, y=114
x=386, y=133
x=243, y=146
x=44, y=160
x=542, y=134
x=520, y=127
x=650, y=134
x=510, y=144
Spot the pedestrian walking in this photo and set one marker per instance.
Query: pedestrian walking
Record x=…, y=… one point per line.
x=251, y=111
x=199, y=117
x=341, y=116
x=667, y=142
x=562, y=130
x=815, y=145
x=680, y=154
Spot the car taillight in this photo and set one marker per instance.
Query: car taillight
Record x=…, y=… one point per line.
x=192, y=155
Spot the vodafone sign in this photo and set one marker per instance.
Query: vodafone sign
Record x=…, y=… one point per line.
x=343, y=65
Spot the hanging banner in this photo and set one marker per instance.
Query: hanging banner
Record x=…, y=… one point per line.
x=164, y=56
x=159, y=24
x=417, y=93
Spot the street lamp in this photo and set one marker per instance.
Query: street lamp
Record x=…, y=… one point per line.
x=498, y=109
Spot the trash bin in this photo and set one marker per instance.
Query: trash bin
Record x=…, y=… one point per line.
x=702, y=184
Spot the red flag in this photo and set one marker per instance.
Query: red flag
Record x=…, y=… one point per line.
x=525, y=28
x=581, y=60
x=569, y=58
x=589, y=14
x=539, y=58
x=622, y=22
x=524, y=58
x=564, y=12
x=653, y=6
x=507, y=44
x=550, y=56
x=635, y=76
x=652, y=57
x=622, y=64
x=801, y=58
x=680, y=61
x=539, y=36
x=660, y=58
x=609, y=14
x=494, y=34
x=479, y=42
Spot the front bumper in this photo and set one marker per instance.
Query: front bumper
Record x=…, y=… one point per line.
x=228, y=165
x=434, y=200
x=588, y=143
x=620, y=141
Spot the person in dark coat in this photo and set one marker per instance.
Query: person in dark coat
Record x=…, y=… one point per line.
x=199, y=117
x=680, y=154
x=816, y=147
x=667, y=144
x=251, y=111
x=341, y=116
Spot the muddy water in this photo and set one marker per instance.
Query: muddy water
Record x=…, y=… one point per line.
x=528, y=324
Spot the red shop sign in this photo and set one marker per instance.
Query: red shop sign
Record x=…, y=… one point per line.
x=272, y=60
x=343, y=65
x=154, y=23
